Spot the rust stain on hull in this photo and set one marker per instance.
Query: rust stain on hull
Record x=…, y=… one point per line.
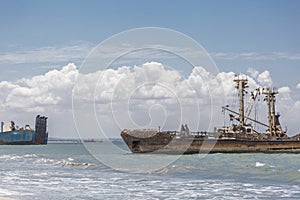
x=166, y=142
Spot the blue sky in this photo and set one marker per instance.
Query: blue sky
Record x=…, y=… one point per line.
x=262, y=27
x=40, y=36
x=218, y=25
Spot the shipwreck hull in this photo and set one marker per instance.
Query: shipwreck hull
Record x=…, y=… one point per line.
x=169, y=143
x=17, y=137
x=27, y=137
x=24, y=137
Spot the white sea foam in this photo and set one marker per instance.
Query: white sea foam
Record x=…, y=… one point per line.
x=258, y=164
x=70, y=159
x=48, y=161
x=6, y=192
x=74, y=164
x=67, y=162
x=5, y=156
x=17, y=157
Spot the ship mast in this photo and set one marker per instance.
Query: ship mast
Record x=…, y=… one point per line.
x=273, y=119
x=270, y=98
x=241, y=84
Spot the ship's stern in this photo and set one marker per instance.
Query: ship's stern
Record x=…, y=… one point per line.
x=41, y=135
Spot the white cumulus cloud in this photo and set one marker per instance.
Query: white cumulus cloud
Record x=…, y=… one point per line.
x=284, y=90
x=148, y=94
x=253, y=73
x=265, y=79
x=36, y=93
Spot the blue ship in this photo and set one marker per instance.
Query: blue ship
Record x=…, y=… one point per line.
x=25, y=135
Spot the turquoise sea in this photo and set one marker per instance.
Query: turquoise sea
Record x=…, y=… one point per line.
x=69, y=171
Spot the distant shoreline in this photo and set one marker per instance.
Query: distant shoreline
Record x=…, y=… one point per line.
x=72, y=141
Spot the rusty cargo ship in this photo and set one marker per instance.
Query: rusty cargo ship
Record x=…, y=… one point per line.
x=239, y=137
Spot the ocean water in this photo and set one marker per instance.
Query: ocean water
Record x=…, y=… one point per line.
x=69, y=171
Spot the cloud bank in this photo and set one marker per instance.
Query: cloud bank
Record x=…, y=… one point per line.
x=148, y=95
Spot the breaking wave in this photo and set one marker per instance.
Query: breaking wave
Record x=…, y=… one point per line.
x=34, y=159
